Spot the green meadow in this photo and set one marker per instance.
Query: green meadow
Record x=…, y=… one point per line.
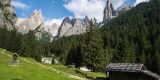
x=27, y=69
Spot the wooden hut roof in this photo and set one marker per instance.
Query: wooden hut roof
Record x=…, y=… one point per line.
x=125, y=67
x=15, y=54
x=130, y=67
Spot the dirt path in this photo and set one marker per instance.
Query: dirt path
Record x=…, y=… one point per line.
x=64, y=73
x=49, y=68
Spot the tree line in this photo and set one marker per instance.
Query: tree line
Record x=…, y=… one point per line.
x=26, y=45
x=132, y=37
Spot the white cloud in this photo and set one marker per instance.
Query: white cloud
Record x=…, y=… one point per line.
x=50, y=22
x=118, y=3
x=139, y=1
x=20, y=5
x=92, y=8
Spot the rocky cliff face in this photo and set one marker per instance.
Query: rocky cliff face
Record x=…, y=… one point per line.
x=65, y=26
x=30, y=23
x=74, y=26
x=109, y=11
x=123, y=9
x=7, y=14
x=114, y=12
x=68, y=26
x=35, y=22
x=53, y=30
x=42, y=33
x=86, y=21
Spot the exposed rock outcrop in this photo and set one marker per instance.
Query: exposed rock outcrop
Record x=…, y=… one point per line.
x=114, y=12
x=73, y=27
x=7, y=14
x=123, y=9
x=86, y=21
x=35, y=23
x=31, y=23
x=65, y=26
x=109, y=11
x=53, y=30
x=42, y=33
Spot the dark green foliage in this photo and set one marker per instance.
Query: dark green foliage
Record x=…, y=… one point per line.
x=24, y=45
x=132, y=37
x=92, y=49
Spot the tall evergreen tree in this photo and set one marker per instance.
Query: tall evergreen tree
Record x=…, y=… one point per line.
x=92, y=50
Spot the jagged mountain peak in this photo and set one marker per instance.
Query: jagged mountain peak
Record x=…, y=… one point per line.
x=108, y=2
x=66, y=20
x=125, y=7
x=108, y=12
x=30, y=23
x=35, y=22
x=36, y=12
x=65, y=25
x=86, y=19
x=73, y=27
x=76, y=21
x=36, y=17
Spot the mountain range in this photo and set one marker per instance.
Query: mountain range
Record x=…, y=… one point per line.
x=68, y=26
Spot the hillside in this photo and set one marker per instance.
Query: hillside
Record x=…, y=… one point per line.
x=29, y=69
x=132, y=37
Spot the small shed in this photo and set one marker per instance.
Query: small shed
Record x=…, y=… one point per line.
x=15, y=56
x=14, y=61
x=130, y=71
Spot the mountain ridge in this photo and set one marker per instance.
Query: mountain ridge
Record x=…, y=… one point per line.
x=73, y=26
x=7, y=15
x=68, y=27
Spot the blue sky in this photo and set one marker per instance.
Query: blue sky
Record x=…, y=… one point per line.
x=49, y=8
x=58, y=9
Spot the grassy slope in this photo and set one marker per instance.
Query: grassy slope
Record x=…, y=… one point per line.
x=78, y=72
x=26, y=70
x=29, y=69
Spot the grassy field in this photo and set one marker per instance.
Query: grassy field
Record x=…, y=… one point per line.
x=78, y=72
x=29, y=69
